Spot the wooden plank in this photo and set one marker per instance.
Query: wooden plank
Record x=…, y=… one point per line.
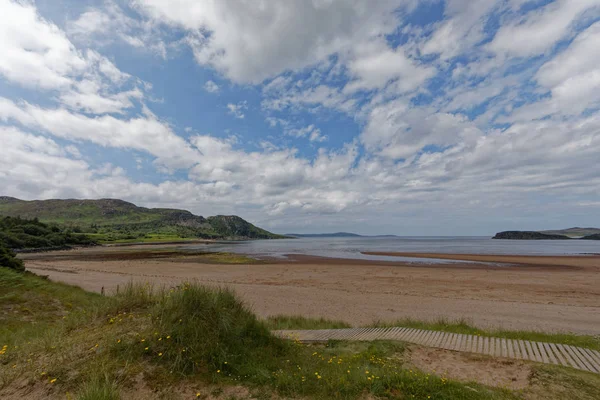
x=400, y=333
x=443, y=340
x=596, y=354
x=504, y=347
x=517, y=349
x=356, y=333
x=583, y=360
x=559, y=356
x=497, y=347
x=523, y=350
x=480, y=344
x=427, y=337
x=470, y=344
x=486, y=346
x=595, y=363
x=549, y=353
x=536, y=352
x=414, y=335
x=435, y=340
x=448, y=342
x=510, y=345
x=542, y=351
x=432, y=339
x=459, y=342
x=574, y=361
x=419, y=336
x=532, y=355
x=409, y=335
x=455, y=339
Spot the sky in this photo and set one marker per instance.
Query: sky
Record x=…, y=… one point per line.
x=447, y=117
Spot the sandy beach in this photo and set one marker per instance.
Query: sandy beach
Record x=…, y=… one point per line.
x=513, y=292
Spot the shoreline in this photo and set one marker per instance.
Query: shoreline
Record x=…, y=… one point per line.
x=533, y=295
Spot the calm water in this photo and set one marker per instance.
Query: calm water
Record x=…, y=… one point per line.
x=352, y=247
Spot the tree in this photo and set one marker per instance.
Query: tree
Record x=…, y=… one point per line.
x=9, y=259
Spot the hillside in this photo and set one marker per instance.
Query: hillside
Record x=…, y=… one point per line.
x=560, y=234
x=112, y=220
x=573, y=232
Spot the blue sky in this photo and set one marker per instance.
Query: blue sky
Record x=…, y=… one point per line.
x=390, y=116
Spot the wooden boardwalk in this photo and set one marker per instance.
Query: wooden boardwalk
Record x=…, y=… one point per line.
x=547, y=353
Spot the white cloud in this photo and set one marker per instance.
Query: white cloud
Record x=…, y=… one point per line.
x=396, y=130
x=311, y=132
x=110, y=23
x=35, y=52
x=572, y=77
x=211, y=87
x=249, y=43
x=462, y=28
x=375, y=65
x=145, y=133
x=540, y=29
x=237, y=110
x=314, y=97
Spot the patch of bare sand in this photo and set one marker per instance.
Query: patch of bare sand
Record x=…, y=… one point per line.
x=467, y=367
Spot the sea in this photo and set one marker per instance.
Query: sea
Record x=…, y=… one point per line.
x=352, y=247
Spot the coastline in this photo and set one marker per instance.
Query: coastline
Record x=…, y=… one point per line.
x=534, y=295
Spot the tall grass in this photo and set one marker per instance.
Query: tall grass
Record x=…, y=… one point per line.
x=99, y=388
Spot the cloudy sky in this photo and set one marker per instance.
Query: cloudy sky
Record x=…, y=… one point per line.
x=409, y=117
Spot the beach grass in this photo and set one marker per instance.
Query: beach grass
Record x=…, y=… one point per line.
x=285, y=322
x=191, y=340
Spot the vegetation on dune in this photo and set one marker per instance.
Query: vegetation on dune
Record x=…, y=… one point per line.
x=289, y=322
x=9, y=259
x=190, y=340
x=111, y=220
x=18, y=233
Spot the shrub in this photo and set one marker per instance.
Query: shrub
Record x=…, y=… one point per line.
x=210, y=329
x=8, y=259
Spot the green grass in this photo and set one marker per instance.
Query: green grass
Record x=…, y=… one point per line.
x=99, y=388
x=283, y=322
x=106, y=238
x=191, y=337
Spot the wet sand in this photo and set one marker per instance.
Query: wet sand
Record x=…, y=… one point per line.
x=552, y=294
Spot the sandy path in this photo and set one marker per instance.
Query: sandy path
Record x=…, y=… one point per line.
x=531, y=296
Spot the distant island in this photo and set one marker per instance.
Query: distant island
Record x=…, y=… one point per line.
x=332, y=235
x=561, y=234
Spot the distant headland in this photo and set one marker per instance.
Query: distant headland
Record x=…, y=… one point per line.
x=561, y=234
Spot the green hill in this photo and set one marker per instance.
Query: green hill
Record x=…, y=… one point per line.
x=118, y=220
